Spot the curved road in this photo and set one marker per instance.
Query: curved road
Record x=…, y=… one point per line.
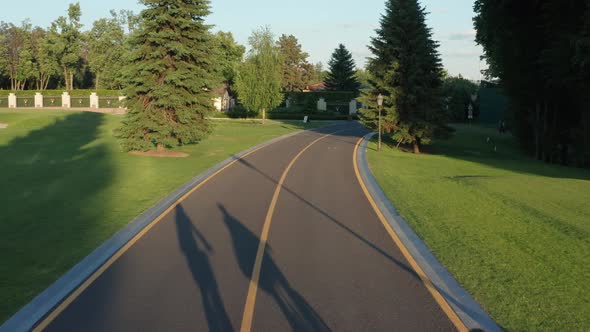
x=284, y=239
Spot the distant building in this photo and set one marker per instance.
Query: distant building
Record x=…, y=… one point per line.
x=223, y=102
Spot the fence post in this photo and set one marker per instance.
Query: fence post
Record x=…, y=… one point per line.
x=322, y=105
x=38, y=100
x=93, y=100
x=66, y=100
x=12, y=100
x=352, y=107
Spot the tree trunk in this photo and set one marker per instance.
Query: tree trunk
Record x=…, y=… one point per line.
x=71, y=80
x=263, y=116
x=66, y=78
x=97, y=80
x=416, y=145
x=537, y=127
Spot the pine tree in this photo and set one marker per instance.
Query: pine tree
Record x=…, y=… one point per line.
x=342, y=70
x=406, y=69
x=170, y=76
x=296, y=70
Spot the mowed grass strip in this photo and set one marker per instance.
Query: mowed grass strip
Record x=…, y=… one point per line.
x=515, y=232
x=66, y=187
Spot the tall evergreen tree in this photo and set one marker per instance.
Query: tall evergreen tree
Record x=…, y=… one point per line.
x=342, y=71
x=170, y=76
x=406, y=69
x=536, y=49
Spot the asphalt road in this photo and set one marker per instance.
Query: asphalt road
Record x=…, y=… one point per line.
x=325, y=263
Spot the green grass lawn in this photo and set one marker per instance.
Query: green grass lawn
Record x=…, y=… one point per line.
x=66, y=188
x=515, y=232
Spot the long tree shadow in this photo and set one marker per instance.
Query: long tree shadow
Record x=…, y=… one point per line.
x=50, y=201
x=196, y=250
x=483, y=145
x=298, y=312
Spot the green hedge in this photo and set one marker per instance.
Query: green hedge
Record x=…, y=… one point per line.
x=73, y=93
x=303, y=98
x=274, y=115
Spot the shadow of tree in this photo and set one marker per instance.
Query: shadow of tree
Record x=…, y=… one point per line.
x=486, y=146
x=298, y=312
x=196, y=249
x=49, y=203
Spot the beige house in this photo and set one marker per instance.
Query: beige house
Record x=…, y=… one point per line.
x=223, y=102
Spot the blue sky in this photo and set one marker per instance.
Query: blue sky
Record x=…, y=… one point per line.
x=320, y=25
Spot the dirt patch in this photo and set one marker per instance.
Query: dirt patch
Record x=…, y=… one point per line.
x=3, y=125
x=160, y=154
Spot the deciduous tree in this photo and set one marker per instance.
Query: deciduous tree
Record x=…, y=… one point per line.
x=259, y=80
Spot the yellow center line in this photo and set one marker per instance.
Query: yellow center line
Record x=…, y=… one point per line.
x=68, y=300
x=423, y=277
x=253, y=287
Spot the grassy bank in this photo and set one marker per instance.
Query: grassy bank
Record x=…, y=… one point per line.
x=515, y=232
x=66, y=188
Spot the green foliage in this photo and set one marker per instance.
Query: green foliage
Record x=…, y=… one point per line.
x=259, y=80
x=539, y=51
x=299, y=98
x=230, y=56
x=106, y=43
x=457, y=92
x=406, y=69
x=297, y=72
x=169, y=77
x=64, y=42
x=341, y=75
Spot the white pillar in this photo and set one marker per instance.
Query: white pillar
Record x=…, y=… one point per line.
x=322, y=105
x=12, y=100
x=352, y=107
x=65, y=100
x=121, y=98
x=93, y=100
x=38, y=100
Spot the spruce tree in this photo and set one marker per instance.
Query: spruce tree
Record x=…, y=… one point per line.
x=406, y=69
x=342, y=70
x=170, y=76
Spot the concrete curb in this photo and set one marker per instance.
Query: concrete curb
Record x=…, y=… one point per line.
x=468, y=310
x=28, y=316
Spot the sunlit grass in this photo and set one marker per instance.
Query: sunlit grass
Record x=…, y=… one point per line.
x=66, y=187
x=515, y=232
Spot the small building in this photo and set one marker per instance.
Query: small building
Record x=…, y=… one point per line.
x=223, y=101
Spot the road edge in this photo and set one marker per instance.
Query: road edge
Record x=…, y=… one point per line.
x=45, y=302
x=469, y=311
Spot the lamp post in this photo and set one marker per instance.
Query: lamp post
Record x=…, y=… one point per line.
x=380, y=104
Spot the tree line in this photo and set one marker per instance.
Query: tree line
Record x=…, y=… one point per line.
x=540, y=52
x=66, y=56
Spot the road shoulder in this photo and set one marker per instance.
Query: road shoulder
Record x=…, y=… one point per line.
x=462, y=303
